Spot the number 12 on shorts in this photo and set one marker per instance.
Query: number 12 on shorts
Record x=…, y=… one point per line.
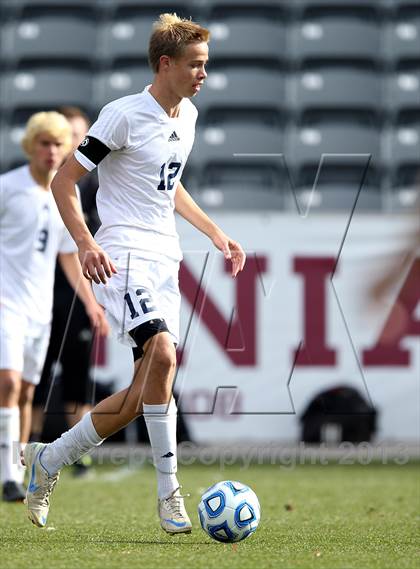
x=142, y=300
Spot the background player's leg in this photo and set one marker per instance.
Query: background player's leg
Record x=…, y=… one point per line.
x=26, y=397
x=77, y=387
x=23, y=426
x=75, y=411
x=76, y=363
x=48, y=373
x=10, y=383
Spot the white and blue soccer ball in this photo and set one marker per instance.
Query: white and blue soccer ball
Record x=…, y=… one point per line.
x=229, y=511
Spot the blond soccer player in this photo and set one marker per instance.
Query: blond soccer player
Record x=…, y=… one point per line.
x=140, y=144
x=32, y=234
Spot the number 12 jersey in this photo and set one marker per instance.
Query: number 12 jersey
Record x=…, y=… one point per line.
x=141, y=153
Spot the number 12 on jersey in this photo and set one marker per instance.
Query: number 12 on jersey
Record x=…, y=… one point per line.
x=167, y=176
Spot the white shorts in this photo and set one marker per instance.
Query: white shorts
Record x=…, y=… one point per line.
x=142, y=290
x=23, y=345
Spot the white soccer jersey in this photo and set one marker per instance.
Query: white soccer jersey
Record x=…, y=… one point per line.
x=31, y=234
x=141, y=153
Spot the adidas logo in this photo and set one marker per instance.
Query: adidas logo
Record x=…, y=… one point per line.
x=174, y=137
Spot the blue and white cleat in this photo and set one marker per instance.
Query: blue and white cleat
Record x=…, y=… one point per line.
x=41, y=484
x=173, y=515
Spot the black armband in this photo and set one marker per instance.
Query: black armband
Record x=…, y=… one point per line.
x=93, y=149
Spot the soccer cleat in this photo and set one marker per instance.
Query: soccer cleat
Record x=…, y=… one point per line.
x=41, y=484
x=172, y=514
x=13, y=491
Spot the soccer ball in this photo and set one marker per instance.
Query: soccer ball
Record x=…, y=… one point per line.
x=229, y=511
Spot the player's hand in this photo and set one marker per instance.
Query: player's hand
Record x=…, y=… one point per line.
x=96, y=264
x=98, y=319
x=231, y=250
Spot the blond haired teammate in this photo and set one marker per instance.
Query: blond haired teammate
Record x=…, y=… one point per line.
x=32, y=234
x=140, y=143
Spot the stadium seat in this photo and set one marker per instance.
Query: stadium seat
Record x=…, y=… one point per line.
x=239, y=198
x=2, y=40
x=404, y=94
x=237, y=155
x=403, y=7
x=49, y=38
x=347, y=148
x=112, y=85
x=127, y=39
x=226, y=9
x=239, y=90
x=11, y=153
x=22, y=4
x=45, y=88
x=336, y=39
x=334, y=197
x=130, y=8
x=6, y=11
x=405, y=145
x=249, y=39
x=309, y=8
x=404, y=155
x=330, y=90
x=218, y=144
x=405, y=200
x=30, y=8
x=403, y=41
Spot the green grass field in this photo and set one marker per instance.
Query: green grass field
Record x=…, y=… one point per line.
x=312, y=516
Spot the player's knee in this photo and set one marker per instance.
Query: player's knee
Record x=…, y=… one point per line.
x=164, y=355
x=9, y=386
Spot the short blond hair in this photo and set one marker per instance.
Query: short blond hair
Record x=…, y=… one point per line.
x=52, y=123
x=171, y=35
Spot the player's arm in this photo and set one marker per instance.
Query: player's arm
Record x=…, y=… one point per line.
x=96, y=264
x=71, y=267
x=189, y=210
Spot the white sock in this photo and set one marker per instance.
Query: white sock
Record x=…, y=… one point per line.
x=17, y=467
x=161, y=426
x=21, y=470
x=72, y=445
x=7, y=422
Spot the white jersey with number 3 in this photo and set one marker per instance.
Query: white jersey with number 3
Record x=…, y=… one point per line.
x=138, y=178
x=31, y=234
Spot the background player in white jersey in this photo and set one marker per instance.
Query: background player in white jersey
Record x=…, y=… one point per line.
x=141, y=144
x=32, y=233
x=72, y=339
